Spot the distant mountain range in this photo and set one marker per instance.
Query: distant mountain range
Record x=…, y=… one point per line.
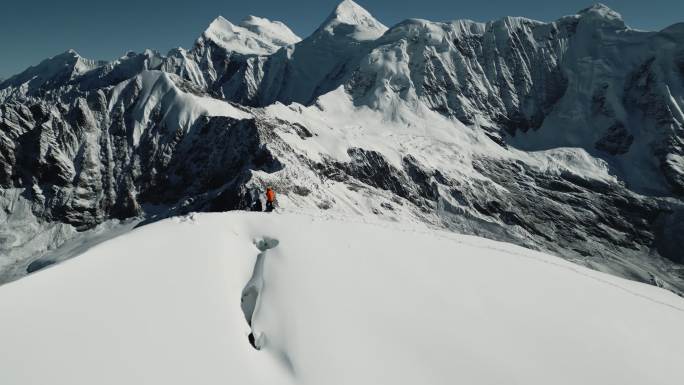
x=563, y=136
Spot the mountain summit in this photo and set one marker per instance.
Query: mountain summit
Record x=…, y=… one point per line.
x=276, y=31
x=52, y=72
x=254, y=36
x=603, y=16
x=351, y=20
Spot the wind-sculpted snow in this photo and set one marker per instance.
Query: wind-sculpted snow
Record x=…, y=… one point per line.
x=563, y=136
x=256, y=298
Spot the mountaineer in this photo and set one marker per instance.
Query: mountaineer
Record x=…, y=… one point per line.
x=270, y=199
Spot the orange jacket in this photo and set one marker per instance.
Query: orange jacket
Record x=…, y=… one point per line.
x=270, y=195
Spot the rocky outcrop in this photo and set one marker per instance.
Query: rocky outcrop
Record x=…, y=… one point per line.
x=88, y=157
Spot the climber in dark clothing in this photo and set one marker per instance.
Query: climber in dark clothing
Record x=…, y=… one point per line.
x=270, y=199
x=256, y=206
x=254, y=197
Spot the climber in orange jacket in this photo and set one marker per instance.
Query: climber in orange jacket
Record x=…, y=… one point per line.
x=270, y=199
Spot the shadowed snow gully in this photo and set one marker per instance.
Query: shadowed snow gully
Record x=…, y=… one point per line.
x=250, y=294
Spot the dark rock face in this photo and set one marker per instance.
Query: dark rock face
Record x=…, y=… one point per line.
x=83, y=170
x=569, y=210
x=669, y=233
x=587, y=220
x=617, y=140
x=644, y=93
x=218, y=151
x=371, y=168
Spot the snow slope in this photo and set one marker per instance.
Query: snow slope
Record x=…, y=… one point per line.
x=337, y=302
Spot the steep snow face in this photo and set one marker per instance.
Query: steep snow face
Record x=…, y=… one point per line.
x=583, y=81
x=162, y=102
x=331, y=302
x=254, y=36
x=502, y=74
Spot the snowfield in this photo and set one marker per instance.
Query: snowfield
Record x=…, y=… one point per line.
x=331, y=301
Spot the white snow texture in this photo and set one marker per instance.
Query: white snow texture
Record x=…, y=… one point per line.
x=337, y=302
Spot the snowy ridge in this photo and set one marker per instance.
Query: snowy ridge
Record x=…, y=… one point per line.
x=178, y=110
x=427, y=307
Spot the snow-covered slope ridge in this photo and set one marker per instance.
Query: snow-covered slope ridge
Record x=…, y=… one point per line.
x=331, y=302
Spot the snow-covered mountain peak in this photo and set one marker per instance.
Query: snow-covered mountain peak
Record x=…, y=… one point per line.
x=277, y=31
x=71, y=52
x=601, y=9
x=254, y=36
x=602, y=15
x=351, y=20
x=69, y=58
x=220, y=24
x=58, y=69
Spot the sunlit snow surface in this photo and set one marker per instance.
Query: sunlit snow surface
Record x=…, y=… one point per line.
x=340, y=302
x=254, y=36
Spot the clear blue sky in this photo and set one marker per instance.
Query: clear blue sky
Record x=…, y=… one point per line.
x=33, y=30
